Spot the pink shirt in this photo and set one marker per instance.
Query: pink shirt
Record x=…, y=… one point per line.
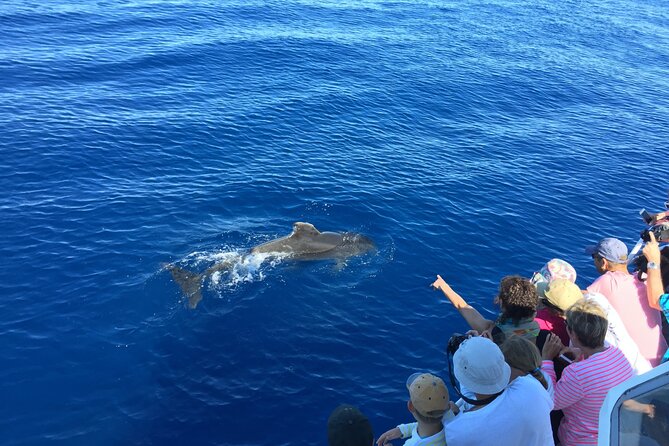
x=627, y=296
x=550, y=321
x=581, y=390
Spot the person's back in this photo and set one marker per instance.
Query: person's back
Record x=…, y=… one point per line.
x=617, y=335
x=627, y=295
x=581, y=390
x=519, y=416
x=549, y=320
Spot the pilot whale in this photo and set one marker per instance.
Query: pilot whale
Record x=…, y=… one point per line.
x=304, y=243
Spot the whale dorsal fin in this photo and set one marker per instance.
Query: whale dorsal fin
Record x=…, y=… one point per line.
x=301, y=229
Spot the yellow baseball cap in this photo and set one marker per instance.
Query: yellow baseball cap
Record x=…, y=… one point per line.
x=428, y=394
x=562, y=293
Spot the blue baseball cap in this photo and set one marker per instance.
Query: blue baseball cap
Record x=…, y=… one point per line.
x=610, y=249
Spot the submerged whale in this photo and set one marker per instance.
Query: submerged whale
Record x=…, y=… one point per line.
x=304, y=243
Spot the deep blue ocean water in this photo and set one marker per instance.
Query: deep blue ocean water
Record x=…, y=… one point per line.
x=473, y=139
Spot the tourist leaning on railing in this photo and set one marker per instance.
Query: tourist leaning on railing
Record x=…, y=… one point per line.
x=628, y=297
x=507, y=413
x=517, y=299
x=428, y=403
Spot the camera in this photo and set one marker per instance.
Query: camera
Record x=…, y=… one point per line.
x=639, y=264
x=660, y=231
x=454, y=342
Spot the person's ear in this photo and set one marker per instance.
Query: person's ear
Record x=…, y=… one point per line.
x=605, y=264
x=410, y=406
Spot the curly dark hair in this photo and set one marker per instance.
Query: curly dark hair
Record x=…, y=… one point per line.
x=518, y=297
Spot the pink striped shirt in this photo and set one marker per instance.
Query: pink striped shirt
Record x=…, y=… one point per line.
x=581, y=391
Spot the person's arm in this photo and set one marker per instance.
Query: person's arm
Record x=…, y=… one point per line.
x=471, y=315
x=567, y=390
x=654, y=287
x=392, y=434
x=660, y=216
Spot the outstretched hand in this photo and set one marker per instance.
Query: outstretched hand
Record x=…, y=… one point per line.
x=439, y=284
x=387, y=437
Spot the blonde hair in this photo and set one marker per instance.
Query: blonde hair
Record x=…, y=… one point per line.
x=523, y=355
x=588, y=322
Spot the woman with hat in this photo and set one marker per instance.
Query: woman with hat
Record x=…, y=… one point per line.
x=547, y=317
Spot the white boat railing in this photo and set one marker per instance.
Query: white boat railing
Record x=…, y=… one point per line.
x=620, y=426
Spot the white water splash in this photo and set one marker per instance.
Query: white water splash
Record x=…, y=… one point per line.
x=244, y=268
x=203, y=258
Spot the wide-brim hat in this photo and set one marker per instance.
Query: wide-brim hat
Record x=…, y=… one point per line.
x=553, y=269
x=479, y=365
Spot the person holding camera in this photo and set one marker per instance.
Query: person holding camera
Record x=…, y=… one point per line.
x=628, y=296
x=506, y=413
x=657, y=298
x=518, y=300
x=584, y=384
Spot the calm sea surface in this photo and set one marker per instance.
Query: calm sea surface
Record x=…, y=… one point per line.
x=473, y=139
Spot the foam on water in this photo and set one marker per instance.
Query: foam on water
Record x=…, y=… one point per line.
x=472, y=139
x=244, y=267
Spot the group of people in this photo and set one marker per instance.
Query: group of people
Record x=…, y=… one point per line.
x=539, y=373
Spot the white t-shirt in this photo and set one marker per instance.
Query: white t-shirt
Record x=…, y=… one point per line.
x=411, y=430
x=519, y=416
x=618, y=336
x=465, y=406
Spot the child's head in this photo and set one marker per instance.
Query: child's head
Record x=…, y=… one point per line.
x=428, y=397
x=523, y=356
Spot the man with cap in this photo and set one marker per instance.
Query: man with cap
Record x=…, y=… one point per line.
x=627, y=295
x=508, y=414
x=347, y=426
x=428, y=402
